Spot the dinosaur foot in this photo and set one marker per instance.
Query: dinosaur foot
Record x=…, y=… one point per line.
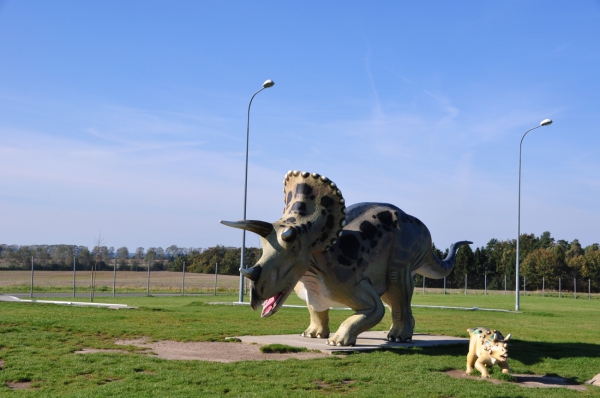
x=341, y=341
x=318, y=335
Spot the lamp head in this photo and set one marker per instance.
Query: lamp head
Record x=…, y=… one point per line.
x=271, y=83
x=544, y=122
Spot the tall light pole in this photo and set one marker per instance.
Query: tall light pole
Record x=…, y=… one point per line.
x=544, y=122
x=266, y=84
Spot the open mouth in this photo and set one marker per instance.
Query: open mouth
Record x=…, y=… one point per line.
x=272, y=304
x=504, y=357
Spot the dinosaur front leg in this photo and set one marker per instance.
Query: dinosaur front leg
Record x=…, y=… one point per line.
x=398, y=296
x=319, y=324
x=480, y=366
x=369, y=311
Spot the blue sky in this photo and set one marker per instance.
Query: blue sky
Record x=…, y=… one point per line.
x=129, y=118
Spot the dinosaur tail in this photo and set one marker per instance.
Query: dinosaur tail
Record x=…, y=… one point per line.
x=435, y=268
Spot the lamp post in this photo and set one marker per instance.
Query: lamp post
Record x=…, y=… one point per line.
x=544, y=122
x=266, y=84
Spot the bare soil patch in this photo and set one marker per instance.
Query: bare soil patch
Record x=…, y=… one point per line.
x=19, y=385
x=214, y=351
x=532, y=381
x=125, y=279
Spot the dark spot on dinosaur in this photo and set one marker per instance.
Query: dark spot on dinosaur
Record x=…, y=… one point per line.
x=379, y=234
x=332, y=248
x=368, y=229
x=303, y=189
x=299, y=206
x=309, y=225
x=342, y=274
x=289, y=198
x=410, y=220
x=323, y=211
x=354, y=269
x=324, y=237
x=385, y=217
x=291, y=220
x=418, y=221
x=323, y=229
x=396, y=213
x=403, y=217
x=395, y=223
x=359, y=261
x=349, y=245
x=326, y=201
x=312, y=197
x=344, y=261
x=304, y=229
x=329, y=223
x=373, y=243
x=374, y=216
x=388, y=229
x=328, y=264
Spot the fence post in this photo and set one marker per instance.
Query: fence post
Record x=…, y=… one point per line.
x=524, y=286
x=589, y=289
x=575, y=288
x=183, y=281
x=423, y=285
x=505, y=285
x=465, y=284
x=559, y=289
x=115, y=278
x=543, y=286
x=31, y=292
x=444, y=285
x=485, y=285
x=148, y=283
x=216, y=273
x=74, y=275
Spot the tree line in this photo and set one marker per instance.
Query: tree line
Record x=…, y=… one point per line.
x=543, y=260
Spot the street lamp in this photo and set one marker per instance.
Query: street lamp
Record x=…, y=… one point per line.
x=266, y=84
x=544, y=122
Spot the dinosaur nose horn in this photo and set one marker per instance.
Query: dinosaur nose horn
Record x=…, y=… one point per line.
x=258, y=227
x=252, y=273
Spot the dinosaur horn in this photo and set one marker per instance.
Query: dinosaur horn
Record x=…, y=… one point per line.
x=258, y=227
x=252, y=273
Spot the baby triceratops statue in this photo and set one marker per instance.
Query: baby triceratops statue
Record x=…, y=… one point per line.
x=486, y=349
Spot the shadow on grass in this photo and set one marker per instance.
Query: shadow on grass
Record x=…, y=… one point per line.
x=526, y=352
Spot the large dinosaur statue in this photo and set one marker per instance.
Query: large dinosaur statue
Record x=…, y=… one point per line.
x=333, y=255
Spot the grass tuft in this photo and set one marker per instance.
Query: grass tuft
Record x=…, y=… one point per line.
x=281, y=349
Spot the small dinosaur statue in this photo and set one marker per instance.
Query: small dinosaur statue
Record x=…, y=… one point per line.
x=332, y=255
x=486, y=349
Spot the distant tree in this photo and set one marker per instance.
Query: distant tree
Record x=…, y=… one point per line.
x=123, y=254
x=543, y=263
x=546, y=240
x=592, y=248
x=465, y=264
x=575, y=249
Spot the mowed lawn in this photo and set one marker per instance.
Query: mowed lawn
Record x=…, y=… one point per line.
x=37, y=344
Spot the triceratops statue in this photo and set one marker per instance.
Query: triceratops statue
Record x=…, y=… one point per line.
x=332, y=255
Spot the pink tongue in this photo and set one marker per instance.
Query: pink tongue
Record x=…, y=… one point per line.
x=270, y=303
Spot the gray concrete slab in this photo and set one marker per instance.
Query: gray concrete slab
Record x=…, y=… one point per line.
x=367, y=341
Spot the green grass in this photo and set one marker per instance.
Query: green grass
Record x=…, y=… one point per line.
x=551, y=336
x=281, y=349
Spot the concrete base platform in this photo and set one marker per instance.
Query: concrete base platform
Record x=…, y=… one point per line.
x=367, y=341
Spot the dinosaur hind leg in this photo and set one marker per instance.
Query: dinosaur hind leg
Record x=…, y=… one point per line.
x=398, y=296
x=369, y=312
